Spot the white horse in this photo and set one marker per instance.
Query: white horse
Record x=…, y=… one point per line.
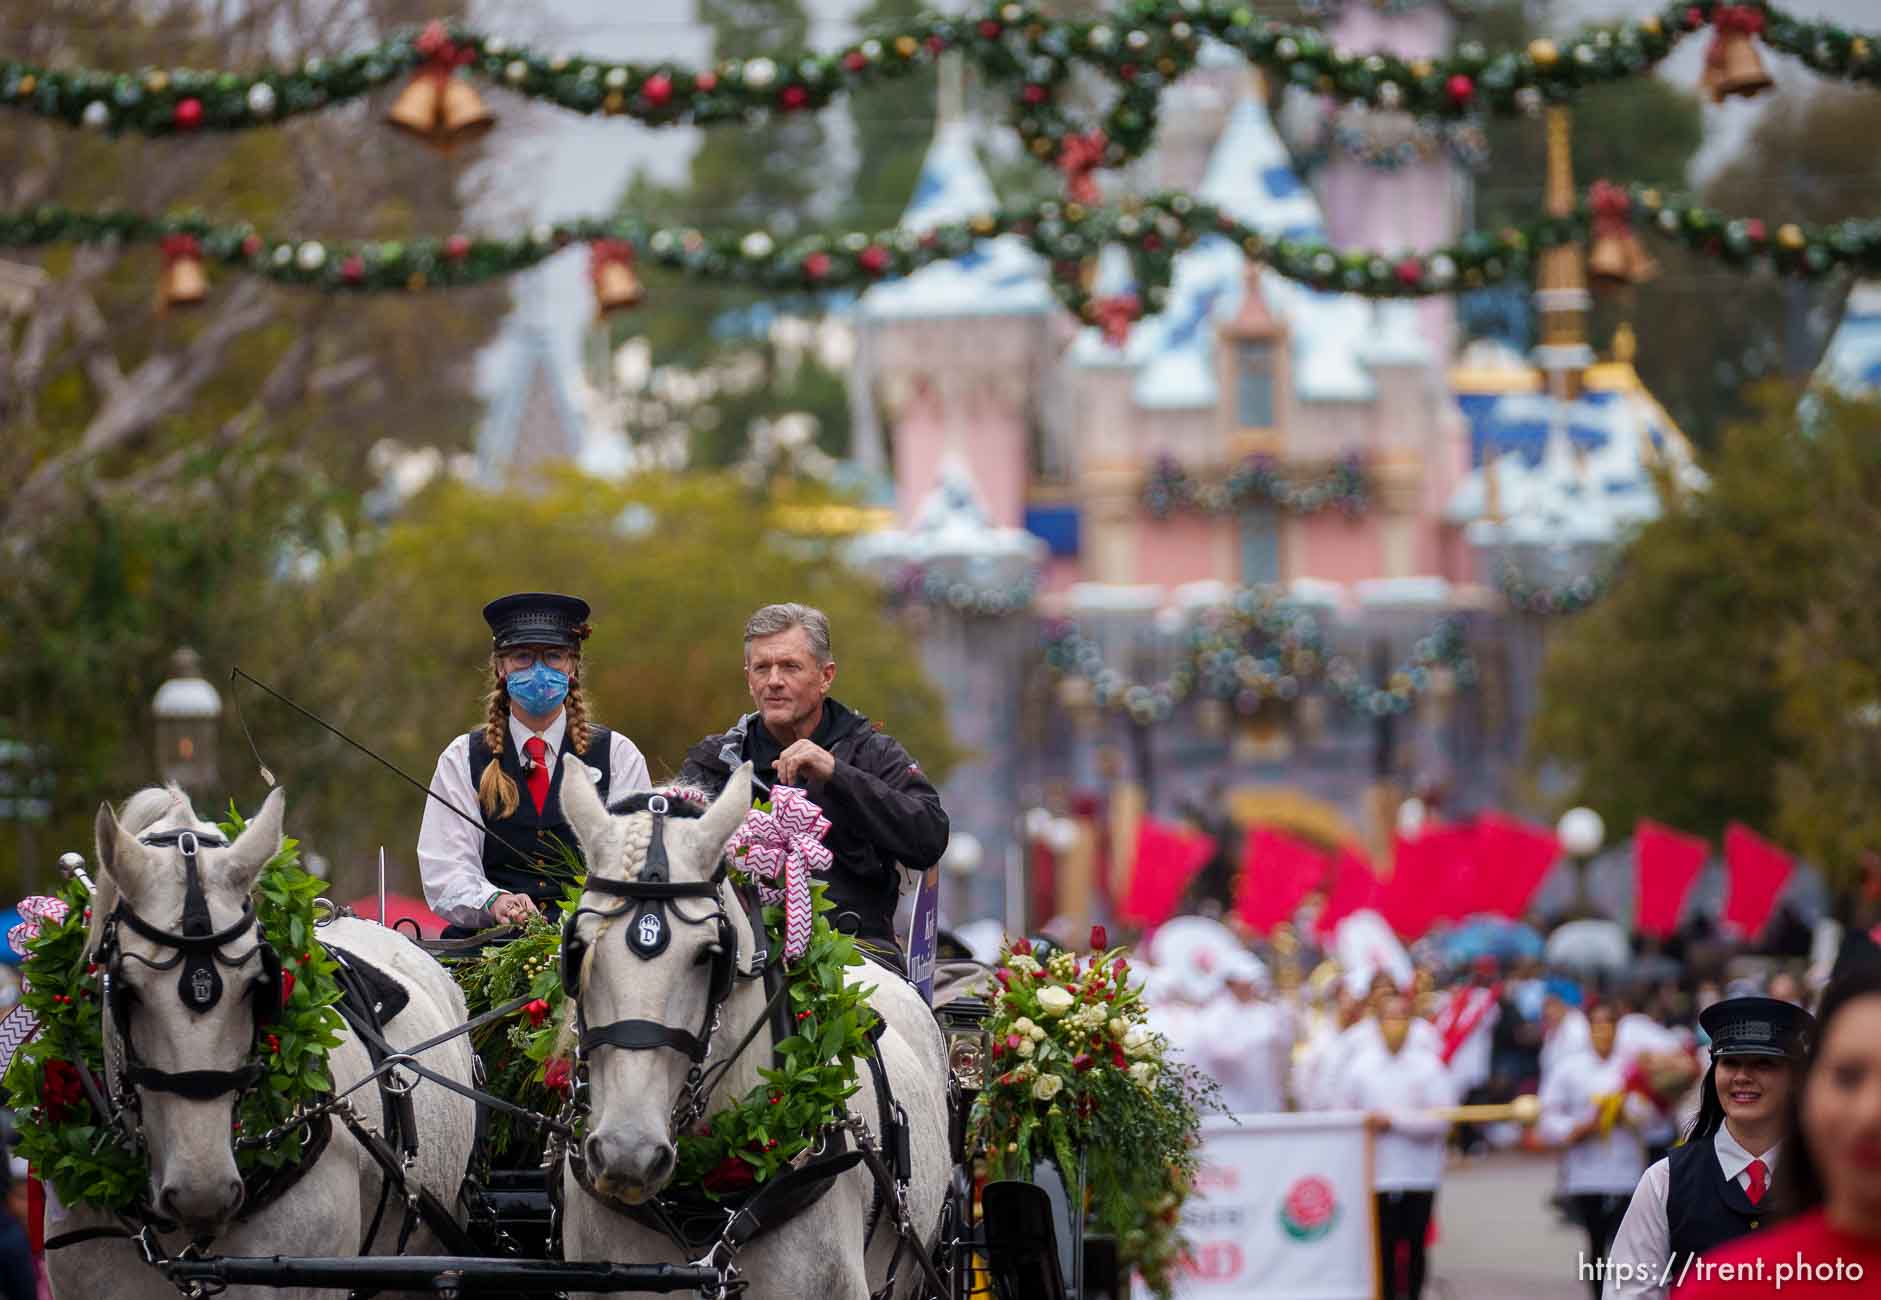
x=193, y=1176
x=632, y=1095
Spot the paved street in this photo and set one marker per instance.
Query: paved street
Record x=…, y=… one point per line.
x=1498, y=1239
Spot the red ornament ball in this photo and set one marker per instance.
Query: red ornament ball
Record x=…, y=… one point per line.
x=794, y=97
x=1410, y=272
x=1459, y=88
x=657, y=90
x=936, y=44
x=1034, y=93
x=873, y=259
x=187, y=114
x=252, y=246
x=706, y=82
x=1755, y=229
x=816, y=265
x=457, y=247
x=989, y=29
x=1694, y=18
x=855, y=61
x=353, y=269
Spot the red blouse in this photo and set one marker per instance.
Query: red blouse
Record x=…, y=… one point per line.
x=1805, y=1257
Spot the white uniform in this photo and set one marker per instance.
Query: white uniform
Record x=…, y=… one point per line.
x=1570, y=1095
x=1567, y=1038
x=1406, y=1085
x=1470, y=1063
x=1244, y=1047
x=450, y=849
x=1643, y=1243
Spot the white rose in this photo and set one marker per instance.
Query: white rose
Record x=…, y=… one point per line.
x=1047, y=1087
x=1118, y=1027
x=1138, y=1041
x=1023, y=1026
x=1055, y=1001
x=1027, y=1047
x=1037, y=1034
x=1143, y=1073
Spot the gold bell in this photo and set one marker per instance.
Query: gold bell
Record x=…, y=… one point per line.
x=416, y=108
x=611, y=272
x=1618, y=260
x=182, y=284
x=1733, y=67
x=462, y=115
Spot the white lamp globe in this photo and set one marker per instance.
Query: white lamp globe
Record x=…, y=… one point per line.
x=964, y=854
x=1581, y=832
x=1412, y=814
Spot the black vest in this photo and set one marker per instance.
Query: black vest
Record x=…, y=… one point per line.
x=1703, y=1208
x=527, y=831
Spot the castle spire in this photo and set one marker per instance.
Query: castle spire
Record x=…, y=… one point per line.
x=1561, y=297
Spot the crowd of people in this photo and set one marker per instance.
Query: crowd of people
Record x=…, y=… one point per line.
x=1638, y=1086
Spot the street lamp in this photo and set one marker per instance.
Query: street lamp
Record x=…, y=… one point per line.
x=188, y=711
x=1581, y=833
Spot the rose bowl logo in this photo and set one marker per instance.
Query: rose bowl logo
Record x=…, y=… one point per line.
x=1309, y=1208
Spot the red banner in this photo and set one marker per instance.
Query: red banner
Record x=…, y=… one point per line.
x=1665, y=862
x=1512, y=859
x=1277, y=871
x=1756, y=871
x=1354, y=887
x=1167, y=859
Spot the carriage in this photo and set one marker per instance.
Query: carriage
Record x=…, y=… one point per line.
x=509, y=1231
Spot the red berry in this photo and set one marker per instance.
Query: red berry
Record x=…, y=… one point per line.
x=658, y=88
x=187, y=114
x=457, y=247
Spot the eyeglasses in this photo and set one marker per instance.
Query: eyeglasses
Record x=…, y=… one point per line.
x=521, y=661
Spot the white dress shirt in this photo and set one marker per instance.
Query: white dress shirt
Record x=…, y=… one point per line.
x=1407, y=1085
x=1570, y=1095
x=1245, y=1049
x=1567, y=1037
x=1644, y=1239
x=450, y=849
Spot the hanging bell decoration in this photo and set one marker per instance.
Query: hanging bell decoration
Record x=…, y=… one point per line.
x=611, y=272
x=1732, y=65
x=1617, y=258
x=437, y=106
x=183, y=282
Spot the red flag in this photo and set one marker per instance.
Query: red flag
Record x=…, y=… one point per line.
x=1427, y=869
x=1453, y=870
x=1512, y=858
x=1167, y=858
x=1665, y=862
x=1277, y=871
x=1355, y=887
x=1756, y=872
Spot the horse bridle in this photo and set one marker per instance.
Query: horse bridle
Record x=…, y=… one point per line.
x=646, y=897
x=198, y=951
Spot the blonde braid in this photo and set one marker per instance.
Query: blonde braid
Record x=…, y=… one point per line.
x=577, y=715
x=496, y=792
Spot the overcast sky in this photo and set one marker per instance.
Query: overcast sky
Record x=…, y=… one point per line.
x=561, y=165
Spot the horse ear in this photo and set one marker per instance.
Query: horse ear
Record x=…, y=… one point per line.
x=259, y=841
x=582, y=805
x=109, y=839
x=728, y=811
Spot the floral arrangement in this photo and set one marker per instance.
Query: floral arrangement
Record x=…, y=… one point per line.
x=72, y=1147
x=1077, y=1073
x=777, y=1120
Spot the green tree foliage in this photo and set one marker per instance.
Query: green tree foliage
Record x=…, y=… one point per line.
x=893, y=125
x=1722, y=677
x=156, y=465
x=388, y=643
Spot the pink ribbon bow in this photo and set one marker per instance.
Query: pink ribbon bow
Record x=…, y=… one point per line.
x=35, y=908
x=779, y=849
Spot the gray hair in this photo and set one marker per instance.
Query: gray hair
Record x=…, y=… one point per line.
x=773, y=619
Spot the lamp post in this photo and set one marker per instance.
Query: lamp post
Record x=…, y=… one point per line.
x=1581, y=832
x=188, y=713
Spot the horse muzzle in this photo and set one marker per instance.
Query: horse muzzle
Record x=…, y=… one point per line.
x=201, y=1207
x=629, y=1169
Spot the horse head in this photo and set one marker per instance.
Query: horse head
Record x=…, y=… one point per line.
x=650, y=956
x=188, y=979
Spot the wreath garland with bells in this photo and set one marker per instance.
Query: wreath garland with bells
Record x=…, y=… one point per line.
x=745, y=1144
x=76, y=1150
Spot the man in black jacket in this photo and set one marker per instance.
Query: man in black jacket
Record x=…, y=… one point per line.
x=881, y=807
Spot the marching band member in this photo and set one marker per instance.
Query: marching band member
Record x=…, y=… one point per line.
x=1588, y=1112
x=506, y=774
x=1398, y=1081
x=881, y=807
x=1467, y=1027
x=1244, y=1040
x=1711, y=1189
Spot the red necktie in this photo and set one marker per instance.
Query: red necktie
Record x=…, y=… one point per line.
x=538, y=771
x=1759, y=1179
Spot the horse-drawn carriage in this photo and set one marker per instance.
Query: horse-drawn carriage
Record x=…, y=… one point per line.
x=682, y=1018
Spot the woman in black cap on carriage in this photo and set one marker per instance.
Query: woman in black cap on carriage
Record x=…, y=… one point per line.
x=1712, y=1188
x=499, y=868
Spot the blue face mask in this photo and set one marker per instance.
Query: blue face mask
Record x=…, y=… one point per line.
x=540, y=690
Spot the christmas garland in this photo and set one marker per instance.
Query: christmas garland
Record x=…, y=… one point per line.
x=74, y=1149
x=1527, y=596
x=1067, y=235
x=1255, y=481
x=920, y=584
x=1077, y=1074
x=741, y=1146
x=1358, y=134
x=1442, y=657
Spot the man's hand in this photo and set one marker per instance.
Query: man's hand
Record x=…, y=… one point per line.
x=1378, y=1122
x=513, y=909
x=805, y=758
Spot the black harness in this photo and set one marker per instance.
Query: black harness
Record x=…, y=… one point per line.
x=199, y=960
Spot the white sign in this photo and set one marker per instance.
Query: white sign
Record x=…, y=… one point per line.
x=1282, y=1210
